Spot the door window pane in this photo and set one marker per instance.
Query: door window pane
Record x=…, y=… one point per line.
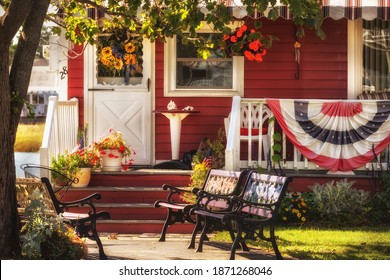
x=119, y=58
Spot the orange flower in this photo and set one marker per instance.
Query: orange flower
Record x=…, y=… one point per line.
x=258, y=57
x=130, y=59
x=249, y=55
x=233, y=39
x=255, y=45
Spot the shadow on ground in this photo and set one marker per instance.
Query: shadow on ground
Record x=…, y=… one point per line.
x=147, y=247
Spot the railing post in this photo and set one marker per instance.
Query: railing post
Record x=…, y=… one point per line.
x=232, y=152
x=44, y=150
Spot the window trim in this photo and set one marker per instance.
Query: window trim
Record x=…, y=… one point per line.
x=170, y=89
x=355, y=58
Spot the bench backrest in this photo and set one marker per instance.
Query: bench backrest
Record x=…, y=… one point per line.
x=222, y=183
x=27, y=189
x=44, y=174
x=264, y=193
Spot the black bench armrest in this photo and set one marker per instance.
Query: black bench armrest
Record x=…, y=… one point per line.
x=81, y=202
x=174, y=191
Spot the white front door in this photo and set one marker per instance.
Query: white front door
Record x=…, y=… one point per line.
x=127, y=108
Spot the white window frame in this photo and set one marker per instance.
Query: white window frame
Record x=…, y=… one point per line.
x=355, y=58
x=170, y=89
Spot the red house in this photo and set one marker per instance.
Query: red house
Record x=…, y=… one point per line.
x=353, y=62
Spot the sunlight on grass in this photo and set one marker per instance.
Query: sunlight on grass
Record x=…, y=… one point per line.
x=29, y=137
x=326, y=244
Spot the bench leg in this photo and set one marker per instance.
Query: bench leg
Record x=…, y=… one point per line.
x=197, y=228
x=273, y=241
x=102, y=255
x=203, y=235
x=236, y=242
x=166, y=224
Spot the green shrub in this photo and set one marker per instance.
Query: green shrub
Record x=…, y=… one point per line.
x=381, y=200
x=337, y=203
x=45, y=236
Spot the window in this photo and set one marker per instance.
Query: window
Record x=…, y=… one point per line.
x=376, y=56
x=188, y=75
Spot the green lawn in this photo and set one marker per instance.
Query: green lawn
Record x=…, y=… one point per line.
x=365, y=243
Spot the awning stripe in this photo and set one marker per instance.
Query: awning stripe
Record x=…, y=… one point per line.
x=336, y=9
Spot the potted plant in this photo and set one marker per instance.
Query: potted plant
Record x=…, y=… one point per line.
x=77, y=164
x=114, y=151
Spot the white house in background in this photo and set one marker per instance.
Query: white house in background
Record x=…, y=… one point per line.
x=49, y=76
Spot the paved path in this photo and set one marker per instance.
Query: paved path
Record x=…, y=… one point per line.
x=147, y=247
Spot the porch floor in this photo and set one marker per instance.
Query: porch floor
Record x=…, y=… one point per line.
x=147, y=247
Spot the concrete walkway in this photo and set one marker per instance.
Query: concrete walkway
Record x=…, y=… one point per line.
x=147, y=247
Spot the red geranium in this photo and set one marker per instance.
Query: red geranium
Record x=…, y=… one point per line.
x=247, y=42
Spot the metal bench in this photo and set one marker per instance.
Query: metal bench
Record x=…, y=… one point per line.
x=84, y=223
x=221, y=182
x=256, y=207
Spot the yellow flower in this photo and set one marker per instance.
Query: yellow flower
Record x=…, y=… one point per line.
x=303, y=219
x=286, y=209
x=299, y=215
x=118, y=64
x=130, y=59
x=106, y=51
x=106, y=60
x=129, y=47
x=284, y=218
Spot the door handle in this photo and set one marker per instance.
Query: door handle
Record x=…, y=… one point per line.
x=148, y=83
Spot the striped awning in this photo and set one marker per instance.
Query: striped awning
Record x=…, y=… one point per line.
x=354, y=9
x=336, y=9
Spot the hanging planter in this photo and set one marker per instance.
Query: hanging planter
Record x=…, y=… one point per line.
x=247, y=42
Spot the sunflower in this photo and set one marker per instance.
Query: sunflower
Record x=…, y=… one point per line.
x=129, y=47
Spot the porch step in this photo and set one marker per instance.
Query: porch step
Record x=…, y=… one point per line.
x=141, y=226
x=129, y=198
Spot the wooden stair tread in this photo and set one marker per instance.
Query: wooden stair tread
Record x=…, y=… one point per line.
x=129, y=205
x=117, y=189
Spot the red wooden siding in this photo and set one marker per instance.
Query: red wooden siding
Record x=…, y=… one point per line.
x=323, y=74
x=76, y=80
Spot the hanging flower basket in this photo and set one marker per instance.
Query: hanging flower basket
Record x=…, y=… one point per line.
x=245, y=41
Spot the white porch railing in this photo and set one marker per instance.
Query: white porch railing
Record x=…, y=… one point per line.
x=60, y=134
x=243, y=115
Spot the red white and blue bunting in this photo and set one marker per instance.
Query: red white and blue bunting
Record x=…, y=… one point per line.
x=336, y=135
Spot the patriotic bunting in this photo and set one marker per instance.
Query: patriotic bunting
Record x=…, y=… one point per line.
x=336, y=135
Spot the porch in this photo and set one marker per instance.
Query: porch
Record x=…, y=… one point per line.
x=129, y=196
